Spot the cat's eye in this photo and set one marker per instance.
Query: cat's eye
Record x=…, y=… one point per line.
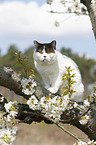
x=48, y=52
x=39, y=49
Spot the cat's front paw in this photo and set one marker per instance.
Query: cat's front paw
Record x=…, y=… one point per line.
x=53, y=90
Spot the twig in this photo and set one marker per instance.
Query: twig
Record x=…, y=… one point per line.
x=76, y=13
x=61, y=127
x=53, y=121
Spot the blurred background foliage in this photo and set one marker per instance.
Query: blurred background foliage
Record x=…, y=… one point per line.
x=86, y=65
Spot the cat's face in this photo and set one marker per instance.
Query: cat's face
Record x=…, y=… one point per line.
x=45, y=53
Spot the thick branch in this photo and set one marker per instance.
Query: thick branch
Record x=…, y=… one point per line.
x=10, y=80
x=28, y=116
x=92, y=13
x=88, y=128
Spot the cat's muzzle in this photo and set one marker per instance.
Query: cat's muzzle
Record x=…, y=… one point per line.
x=44, y=60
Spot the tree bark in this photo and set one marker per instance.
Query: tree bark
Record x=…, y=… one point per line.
x=91, y=8
x=10, y=80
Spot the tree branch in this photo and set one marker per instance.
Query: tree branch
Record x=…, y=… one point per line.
x=91, y=8
x=10, y=80
x=76, y=13
x=27, y=115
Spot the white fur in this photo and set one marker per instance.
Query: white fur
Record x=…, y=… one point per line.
x=51, y=67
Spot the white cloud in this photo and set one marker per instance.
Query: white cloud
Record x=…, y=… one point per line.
x=24, y=19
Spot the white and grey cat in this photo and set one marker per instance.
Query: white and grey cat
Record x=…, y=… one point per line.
x=51, y=66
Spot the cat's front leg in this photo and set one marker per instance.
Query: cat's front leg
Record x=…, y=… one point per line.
x=46, y=82
x=56, y=85
x=46, y=86
x=53, y=90
x=53, y=84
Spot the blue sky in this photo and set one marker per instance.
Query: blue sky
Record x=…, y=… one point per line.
x=23, y=21
x=40, y=2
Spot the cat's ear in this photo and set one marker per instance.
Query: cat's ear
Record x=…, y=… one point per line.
x=36, y=44
x=53, y=43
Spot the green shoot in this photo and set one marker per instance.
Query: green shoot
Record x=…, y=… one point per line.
x=27, y=71
x=69, y=78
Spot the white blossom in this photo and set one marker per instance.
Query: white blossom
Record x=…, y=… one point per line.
x=7, y=135
x=7, y=132
x=75, y=104
x=27, y=92
x=49, y=2
x=86, y=102
x=1, y=99
x=12, y=109
x=91, y=142
x=33, y=103
x=62, y=2
x=84, y=119
x=84, y=143
x=80, y=143
x=28, y=85
x=8, y=106
x=93, y=1
x=56, y=23
x=8, y=118
x=13, y=113
x=51, y=107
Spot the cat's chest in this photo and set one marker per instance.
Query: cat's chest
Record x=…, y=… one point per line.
x=48, y=70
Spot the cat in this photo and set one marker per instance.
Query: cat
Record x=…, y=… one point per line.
x=51, y=64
